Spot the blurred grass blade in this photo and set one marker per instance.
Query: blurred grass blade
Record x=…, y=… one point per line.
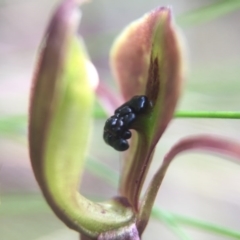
x=174, y=226
x=195, y=223
x=11, y=125
x=208, y=13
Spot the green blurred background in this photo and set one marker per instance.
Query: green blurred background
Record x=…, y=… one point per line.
x=197, y=185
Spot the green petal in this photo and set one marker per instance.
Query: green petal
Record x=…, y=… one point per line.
x=59, y=127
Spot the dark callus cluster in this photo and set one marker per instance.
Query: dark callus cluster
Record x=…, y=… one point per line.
x=116, y=129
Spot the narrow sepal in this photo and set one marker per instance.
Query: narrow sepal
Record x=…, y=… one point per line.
x=212, y=144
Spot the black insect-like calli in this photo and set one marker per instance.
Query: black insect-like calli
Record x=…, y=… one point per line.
x=116, y=129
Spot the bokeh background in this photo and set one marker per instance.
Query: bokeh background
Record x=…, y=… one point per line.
x=197, y=185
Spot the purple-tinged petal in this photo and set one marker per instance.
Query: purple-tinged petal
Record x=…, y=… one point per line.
x=147, y=60
x=108, y=99
x=131, y=53
x=211, y=144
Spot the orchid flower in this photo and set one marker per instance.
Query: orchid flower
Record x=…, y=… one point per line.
x=147, y=60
